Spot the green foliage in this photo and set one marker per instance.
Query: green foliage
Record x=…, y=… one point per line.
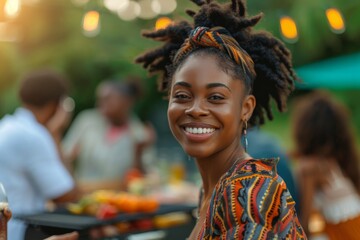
x=51, y=36
x=8, y=66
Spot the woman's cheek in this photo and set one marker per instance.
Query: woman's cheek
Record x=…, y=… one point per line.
x=172, y=113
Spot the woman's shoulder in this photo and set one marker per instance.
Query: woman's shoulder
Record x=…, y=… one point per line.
x=264, y=167
x=256, y=178
x=255, y=185
x=254, y=175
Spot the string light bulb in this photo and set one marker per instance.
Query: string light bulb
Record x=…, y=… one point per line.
x=335, y=20
x=162, y=23
x=130, y=11
x=91, y=23
x=288, y=29
x=166, y=6
x=12, y=8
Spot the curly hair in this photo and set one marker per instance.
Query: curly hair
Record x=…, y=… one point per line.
x=321, y=128
x=265, y=61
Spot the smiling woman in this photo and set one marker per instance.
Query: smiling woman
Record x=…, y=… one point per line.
x=205, y=97
x=220, y=75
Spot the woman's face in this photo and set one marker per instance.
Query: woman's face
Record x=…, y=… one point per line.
x=206, y=107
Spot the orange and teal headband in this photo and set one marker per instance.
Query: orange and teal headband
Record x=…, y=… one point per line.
x=220, y=38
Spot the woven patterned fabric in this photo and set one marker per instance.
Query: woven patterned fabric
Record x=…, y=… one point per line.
x=251, y=201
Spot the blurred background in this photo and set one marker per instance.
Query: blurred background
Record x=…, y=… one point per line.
x=91, y=40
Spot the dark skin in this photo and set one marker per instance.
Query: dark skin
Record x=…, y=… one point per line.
x=44, y=113
x=7, y=213
x=204, y=97
x=114, y=106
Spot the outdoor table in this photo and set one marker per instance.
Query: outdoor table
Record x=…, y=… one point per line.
x=61, y=221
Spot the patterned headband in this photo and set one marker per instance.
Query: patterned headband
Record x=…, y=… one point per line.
x=220, y=38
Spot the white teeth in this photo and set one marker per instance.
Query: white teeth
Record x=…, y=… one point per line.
x=199, y=130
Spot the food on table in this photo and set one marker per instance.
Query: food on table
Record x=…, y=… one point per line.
x=107, y=204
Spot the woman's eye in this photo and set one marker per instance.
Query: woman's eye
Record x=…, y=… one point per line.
x=216, y=97
x=181, y=96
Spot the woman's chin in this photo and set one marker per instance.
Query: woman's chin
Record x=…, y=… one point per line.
x=196, y=153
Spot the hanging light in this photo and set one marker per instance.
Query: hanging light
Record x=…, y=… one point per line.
x=130, y=12
x=166, y=6
x=155, y=6
x=116, y=5
x=12, y=8
x=288, y=29
x=162, y=23
x=335, y=20
x=147, y=9
x=91, y=23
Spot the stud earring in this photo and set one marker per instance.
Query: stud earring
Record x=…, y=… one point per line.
x=245, y=140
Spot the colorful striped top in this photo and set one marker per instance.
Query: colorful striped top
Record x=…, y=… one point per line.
x=251, y=201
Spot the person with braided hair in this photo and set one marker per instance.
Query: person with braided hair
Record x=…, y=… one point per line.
x=220, y=76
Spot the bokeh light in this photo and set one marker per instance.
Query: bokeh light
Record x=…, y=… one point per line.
x=12, y=8
x=116, y=5
x=147, y=9
x=130, y=12
x=91, y=23
x=335, y=20
x=288, y=29
x=166, y=6
x=162, y=23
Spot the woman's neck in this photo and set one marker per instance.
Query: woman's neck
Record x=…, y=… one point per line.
x=212, y=168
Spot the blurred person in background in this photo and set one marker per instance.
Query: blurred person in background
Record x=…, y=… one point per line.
x=264, y=145
x=328, y=166
x=105, y=143
x=31, y=169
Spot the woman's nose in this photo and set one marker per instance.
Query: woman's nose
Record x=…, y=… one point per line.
x=197, y=108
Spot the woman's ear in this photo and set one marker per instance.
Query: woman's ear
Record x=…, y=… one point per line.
x=248, y=107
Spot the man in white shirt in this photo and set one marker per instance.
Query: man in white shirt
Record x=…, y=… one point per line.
x=30, y=166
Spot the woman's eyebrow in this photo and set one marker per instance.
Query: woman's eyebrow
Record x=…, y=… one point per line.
x=214, y=85
x=184, y=84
